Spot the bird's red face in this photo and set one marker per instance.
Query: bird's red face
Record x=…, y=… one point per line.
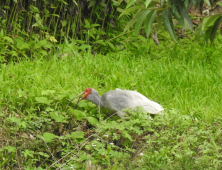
x=87, y=92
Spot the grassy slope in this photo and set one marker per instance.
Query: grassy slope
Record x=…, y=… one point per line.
x=184, y=78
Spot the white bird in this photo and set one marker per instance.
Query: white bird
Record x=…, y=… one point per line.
x=117, y=100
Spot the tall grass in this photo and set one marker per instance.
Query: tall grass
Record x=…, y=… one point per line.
x=184, y=78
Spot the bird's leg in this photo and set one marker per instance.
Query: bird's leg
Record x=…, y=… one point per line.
x=99, y=110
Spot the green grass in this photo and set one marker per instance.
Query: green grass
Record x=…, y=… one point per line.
x=177, y=80
x=184, y=78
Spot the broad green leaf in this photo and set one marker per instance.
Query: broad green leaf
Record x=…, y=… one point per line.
x=13, y=53
x=21, y=93
x=143, y=39
x=8, y=39
x=23, y=45
x=130, y=3
x=64, y=22
x=215, y=28
x=28, y=153
x=2, y=33
x=43, y=100
x=147, y=2
x=6, y=7
x=84, y=46
x=34, y=9
x=49, y=109
x=219, y=3
x=208, y=2
x=207, y=33
x=43, y=154
x=57, y=117
x=196, y=3
x=49, y=45
x=48, y=137
x=167, y=20
x=187, y=19
x=78, y=134
x=103, y=4
x=199, y=33
x=180, y=21
x=127, y=11
x=148, y=22
x=137, y=45
x=14, y=119
x=111, y=45
x=91, y=4
x=55, y=15
x=35, y=25
x=159, y=18
x=8, y=148
x=22, y=124
x=162, y=2
x=92, y=120
x=60, y=96
x=95, y=25
x=126, y=135
x=38, y=20
x=134, y=20
x=47, y=92
x=101, y=42
x=116, y=3
x=35, y=45
x=83, y=103
x=64, y=2
x=153, y=4
x=87, y=24
x=43, y=42
x=43, y=52
x=78, y=114
x=140, y=20
x=209, y=21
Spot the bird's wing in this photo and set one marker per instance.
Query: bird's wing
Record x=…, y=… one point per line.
x=148, y=105
x=120, y=99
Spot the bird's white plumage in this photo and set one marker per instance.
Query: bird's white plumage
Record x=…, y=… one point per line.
x=117, y=100
x=148, y=105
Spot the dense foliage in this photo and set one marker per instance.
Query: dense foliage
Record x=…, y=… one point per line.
x=95, y=26
x=52, y=50
x=38, y=132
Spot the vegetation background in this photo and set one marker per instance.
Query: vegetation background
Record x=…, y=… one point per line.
x=170, y=51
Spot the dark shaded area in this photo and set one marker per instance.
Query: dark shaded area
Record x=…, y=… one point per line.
x=55, y=17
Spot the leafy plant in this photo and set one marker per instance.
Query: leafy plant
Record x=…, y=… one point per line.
x=43, y=133
x=149, y=12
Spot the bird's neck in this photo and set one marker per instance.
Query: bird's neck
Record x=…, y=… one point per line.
x=96, y=100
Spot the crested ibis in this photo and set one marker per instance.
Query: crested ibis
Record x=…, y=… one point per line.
x=117, y=100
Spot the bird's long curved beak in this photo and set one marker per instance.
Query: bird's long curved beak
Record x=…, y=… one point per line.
x=80, y=98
